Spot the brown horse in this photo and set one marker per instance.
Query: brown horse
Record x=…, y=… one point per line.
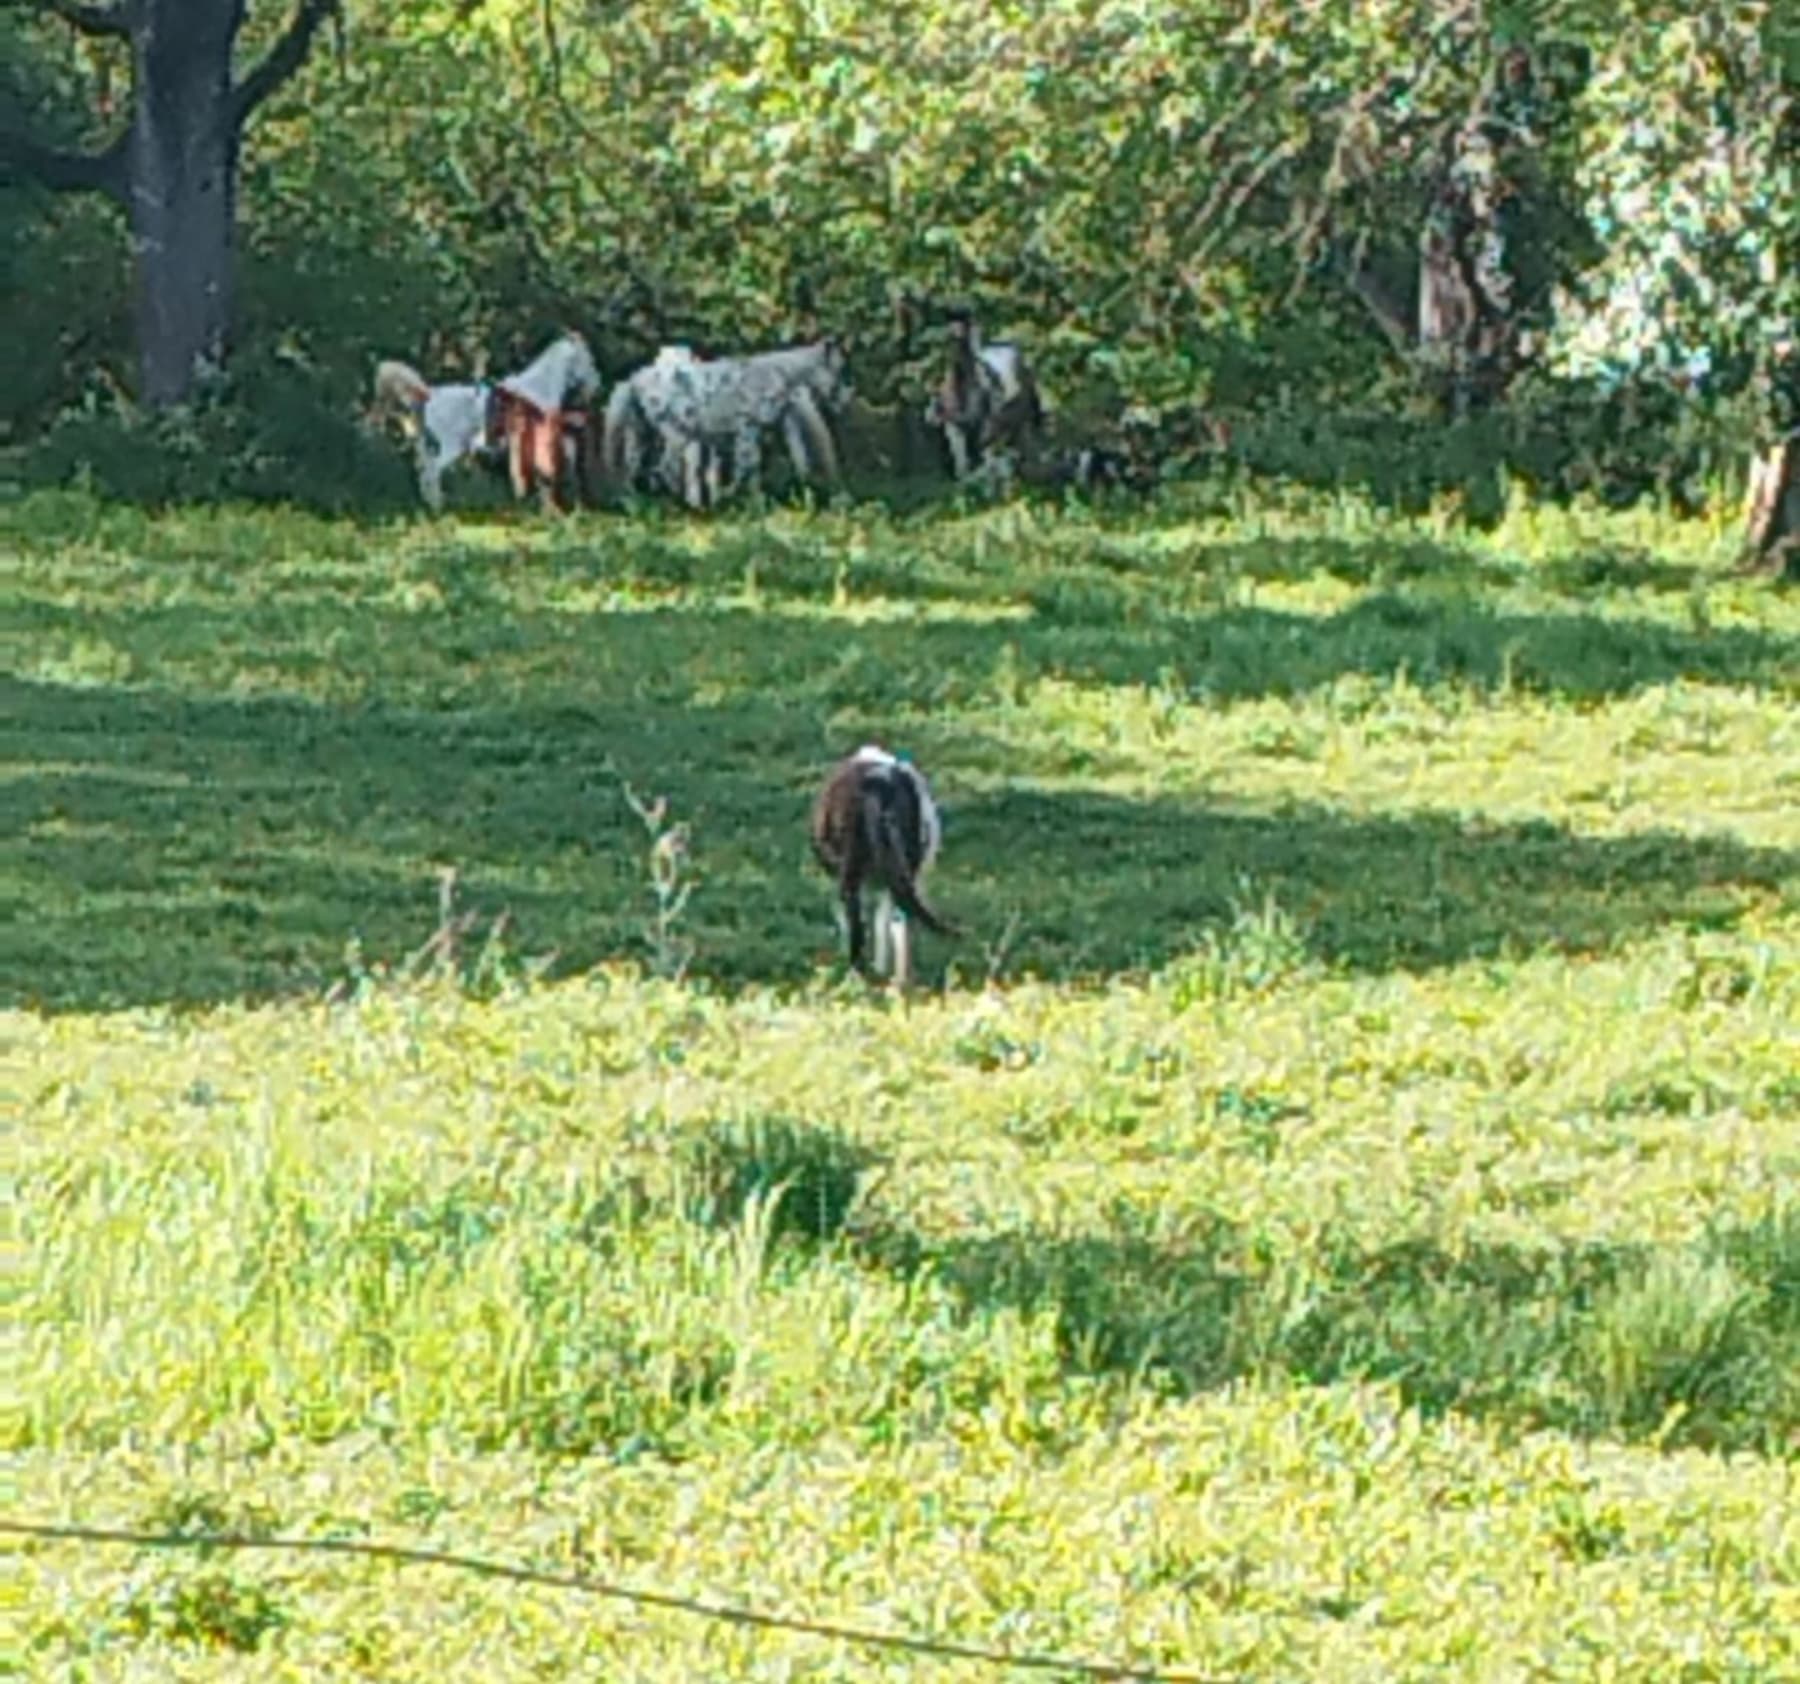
x=547, y=450
x=542, y=431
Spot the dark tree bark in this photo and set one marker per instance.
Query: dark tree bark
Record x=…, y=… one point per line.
x=1392, y=309
x=182, y=166
x=174, y=169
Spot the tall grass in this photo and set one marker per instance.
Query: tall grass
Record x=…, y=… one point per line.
x=1333, y=1219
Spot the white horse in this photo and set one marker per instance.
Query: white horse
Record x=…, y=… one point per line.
x=446, y=423
x=564, y=370
x=707, y=418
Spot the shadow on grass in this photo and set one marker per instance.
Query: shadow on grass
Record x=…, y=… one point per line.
x=1111, y=613
x=187, y=851
x=804, y=1178
x=1399, y=559
x=1367, y=894
x=1245, y=652
x=950, y=605
x=1699, y=1344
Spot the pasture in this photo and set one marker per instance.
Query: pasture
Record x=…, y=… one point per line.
x=1330, y=1218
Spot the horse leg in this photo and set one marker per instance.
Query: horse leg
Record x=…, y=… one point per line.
x=431, y=477
x=693, y=473
x=546, y=461
x=959, y=449
x=518, y=466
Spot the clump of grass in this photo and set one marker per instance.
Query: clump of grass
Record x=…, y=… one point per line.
x=1262, y=946
x=806, y=1178
x=210, y=1608
x=451, y=957
x=1681, y=1336
x=208, y=1601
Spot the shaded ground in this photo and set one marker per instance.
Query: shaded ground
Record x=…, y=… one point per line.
x=236, y=742
x=195, y=850
x=1530, y=1334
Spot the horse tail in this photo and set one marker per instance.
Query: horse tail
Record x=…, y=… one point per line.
x=815, y=430
x=618, y=423
x=888, y=852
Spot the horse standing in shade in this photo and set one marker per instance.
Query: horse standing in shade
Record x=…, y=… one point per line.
x=447, y=424
x=541, y=421
x=532, y=418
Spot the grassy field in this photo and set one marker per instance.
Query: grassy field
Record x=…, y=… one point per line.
x=1331, y=1218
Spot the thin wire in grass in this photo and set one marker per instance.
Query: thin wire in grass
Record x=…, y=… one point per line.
x=412, y=1556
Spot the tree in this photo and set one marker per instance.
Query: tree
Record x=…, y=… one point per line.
x=1688, y=167
x=173, y=165
x=1461, y=320
x=1435, y=181
x=1772, y=538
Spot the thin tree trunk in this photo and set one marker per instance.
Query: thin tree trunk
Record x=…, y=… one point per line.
x=183, y=157
x=1772, y=523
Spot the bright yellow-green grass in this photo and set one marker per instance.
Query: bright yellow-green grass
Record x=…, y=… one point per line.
x=1332, y=1217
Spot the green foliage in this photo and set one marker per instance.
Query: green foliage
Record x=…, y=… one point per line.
x=1159, y=200
x=1692, y=131
x=805, y=1177
x=270, y=431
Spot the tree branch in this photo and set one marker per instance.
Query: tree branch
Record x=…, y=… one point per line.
x=25, y=159
x=92, y=20
x=1383, y=303
x=284, y=58
x=1224, y=216
x=553, y=46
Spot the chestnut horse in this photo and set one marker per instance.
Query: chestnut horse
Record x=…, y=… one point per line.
x=541, y=422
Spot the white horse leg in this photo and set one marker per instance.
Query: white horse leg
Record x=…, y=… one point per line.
x=431, y=477
x=884, y=932
x=693, y=473
x=902, y=934
x=793, y=435
x=671, y=461
x=959, y=450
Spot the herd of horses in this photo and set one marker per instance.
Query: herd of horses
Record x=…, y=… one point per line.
x=694, y=427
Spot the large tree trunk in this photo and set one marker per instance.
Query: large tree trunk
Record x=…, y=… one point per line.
x=174, y=169
x=182, y=164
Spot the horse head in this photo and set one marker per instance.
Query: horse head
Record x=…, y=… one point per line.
x=581, y=375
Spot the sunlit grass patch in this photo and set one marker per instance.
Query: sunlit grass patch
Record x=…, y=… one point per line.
x=1252, y=1168
x=1332, y=1534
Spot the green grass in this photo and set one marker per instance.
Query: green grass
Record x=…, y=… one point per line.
x=1332, y=1218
